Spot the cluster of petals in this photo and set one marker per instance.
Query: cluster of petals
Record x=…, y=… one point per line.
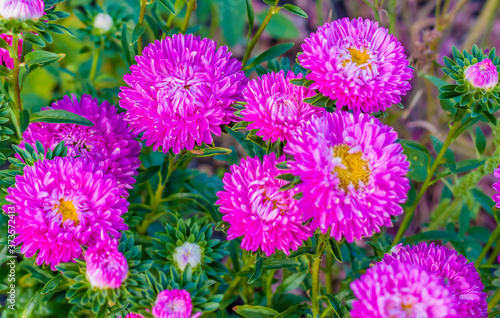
x=22, y=10
x=358, y=64
x=175, y=303
x=483, y=75
x=64, y=203
x=352, y=172
x=5, y=57
x=181, y=91
x=255, y=208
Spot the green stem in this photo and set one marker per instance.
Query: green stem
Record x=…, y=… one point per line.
x=144, y=4
x=191, y=6
x=272, y=11
x=316, y=266
x=494, y=301
x=328, y=273
x=269, y=288
x=95, y=62
x=178, y=6
x=494, y=254
x=444, y=216
x=411, y=210
x=15, y=79
x=492, y=239
x=319, y=11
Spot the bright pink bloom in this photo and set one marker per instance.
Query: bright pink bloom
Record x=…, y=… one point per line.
x=174, y=303
x=275, y=106
x=109, y=142
x=402, y=290
x=460, y=275
x=181, y=91
x=358, y=64
x=133, y=315
x=482, y=75
x=353, y=174
x=5, y=58
x=62, y=204
x=22, y=10
x=106, y=266
x=256, y=209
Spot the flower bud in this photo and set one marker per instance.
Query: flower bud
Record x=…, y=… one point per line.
x=483, y=75
x=22, y=10
x=187, y=253
x=174, y=303
x=103, y=22
x=106, y=266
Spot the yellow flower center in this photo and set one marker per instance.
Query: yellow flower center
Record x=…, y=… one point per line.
x=357, y=56
x=356, y=167
x=68, y=211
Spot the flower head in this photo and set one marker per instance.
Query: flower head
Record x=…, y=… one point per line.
x=483, y=75
x=460, y=275
x=62, y=204
x=133, y=315
x=5, y=58
x=358, y=64
x=256, y=209
x=353, y=174
x=181, y=92
x=106, y=266
x=187, y=253
x=275, y=106
x=174, y=303
x=103, y=22
x=402, y=290
x=22, y=10
x=109, y=142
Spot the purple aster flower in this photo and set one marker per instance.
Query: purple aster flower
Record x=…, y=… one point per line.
x=358, y=64
x=174, y=303
x=109, y=142
x=256, y=209
x=5, y=58
x=353, y=174
x=181, y=92
x=401, y=290
x=275, y=106
x=62, y=204
x=106, y=266
x=22, y=10
x=483, y=75
x=460, y=275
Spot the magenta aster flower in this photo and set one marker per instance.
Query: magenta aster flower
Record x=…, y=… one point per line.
x=256, y=209
x=402, y=290
x=174, y=303
x=64, y=203
x=483, y=75
x=133, y=315
x=106, y=266
x=181, y=92
x=353, y=174
x=5, y=58
x=109, y=142
x=22, y=10
x=275, y=106
x=358, y=64
x=460, y=275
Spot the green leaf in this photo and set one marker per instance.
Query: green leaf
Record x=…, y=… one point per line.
x=208, y=152
x=292, y=311
x=419, y=158
x=434, y=80
x=136, y=34
x=255, y=311
x=295, y=10
x=164, y=169
x=448, y=155
x=125, y=45
x=52, y=284
x=480, y=141
x=167, y=4
x=464, y=220
x=34, y=39
x=333, y=247
x=257, y=271
x=280, y=263
x=270, y=54
x=32, y=304
x=432, y=236
x=59, y=116
x=337, y=305
x=147, y=174
x=302, y=251
x=484, y=200
x=292, y=282
x=280, y=27
x=250, y=15
x=286, y=176
x=41, y=58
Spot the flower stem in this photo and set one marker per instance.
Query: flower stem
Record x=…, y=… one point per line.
x=15, y=79
x=492, y=239
x=191, y=6
x=178, y=6
x=411, y=210
x=144, y=4
x=328, y=273
x=269, y=288
x=316, y=266
x=494, y=301
x=95, y=61
x=494, y=254
x=272, y=11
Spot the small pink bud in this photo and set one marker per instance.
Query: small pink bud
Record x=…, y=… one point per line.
x=174, y=303
x=106, y=266
x=482, y=75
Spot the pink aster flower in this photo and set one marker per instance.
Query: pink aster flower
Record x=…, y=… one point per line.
x=106, y=266
x=181, y=92
x=275, y=106
x=133, y=315
x=109, y=142
x=358, y=64
x=174, y=303
x=460, y=275
x=5, y=58
x=22, y=10
x=64, y=203
x=353, y=174
x=256, y=209
x=401, y=290
x=483, y=75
